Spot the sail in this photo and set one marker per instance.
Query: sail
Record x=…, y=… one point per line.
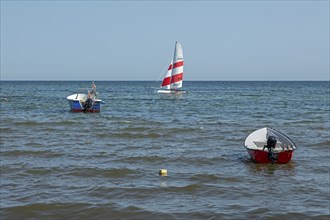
x=177, y=69
x=167, y=79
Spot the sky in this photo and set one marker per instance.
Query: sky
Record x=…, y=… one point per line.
x=134, y=40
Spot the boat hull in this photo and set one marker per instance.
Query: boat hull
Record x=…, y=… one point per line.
x=76, y=103
x=75, y=106
x=260, y=156
x=168, y=91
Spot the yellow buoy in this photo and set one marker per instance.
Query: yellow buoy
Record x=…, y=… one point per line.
x=162, y=172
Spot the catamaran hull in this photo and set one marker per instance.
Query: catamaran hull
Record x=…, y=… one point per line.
x=163, y=91
x=76, y=104
x=255, y=145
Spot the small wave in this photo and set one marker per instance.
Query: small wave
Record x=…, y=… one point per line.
x=77, y=211
x=107, y=173
x=136, y=129
x=265, y=213
x=142, y=159
x=128, y=135
x=323, y=144
x=42, y=210
x=186, y=189
x=40, y=171
x=4, y=99
x=6, y=130
x=183, y=130
x=205, y=177
x=48, y=124
x=45, y=153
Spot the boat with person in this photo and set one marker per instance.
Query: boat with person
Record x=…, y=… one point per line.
x=267, y=145
x=172, y=82
x=85, y=102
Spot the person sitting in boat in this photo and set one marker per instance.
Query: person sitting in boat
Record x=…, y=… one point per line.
x=93, y=91
x=89, y=101
x=93, y=85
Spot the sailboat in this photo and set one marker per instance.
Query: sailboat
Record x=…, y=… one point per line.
x=172, y=82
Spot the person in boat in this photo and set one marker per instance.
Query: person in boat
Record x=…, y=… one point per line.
x=89, y=101
x=93, y=91
x=93, y=85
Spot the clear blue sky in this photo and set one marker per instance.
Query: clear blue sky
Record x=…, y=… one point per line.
x=134, y=40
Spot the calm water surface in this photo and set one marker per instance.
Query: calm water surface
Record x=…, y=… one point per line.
x=61, y=165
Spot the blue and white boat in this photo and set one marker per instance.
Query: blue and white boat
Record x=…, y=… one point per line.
x=89, y=102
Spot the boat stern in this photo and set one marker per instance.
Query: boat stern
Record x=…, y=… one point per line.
x=260, y=156
x=259, y=149
x=76, y=102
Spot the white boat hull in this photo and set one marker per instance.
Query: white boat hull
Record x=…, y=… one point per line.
x=168, y=91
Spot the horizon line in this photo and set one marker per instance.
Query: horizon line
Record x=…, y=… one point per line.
x=86, y=80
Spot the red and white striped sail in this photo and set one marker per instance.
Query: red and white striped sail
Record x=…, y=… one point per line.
x=174, y=76
x=167, y=79
x=177, y=71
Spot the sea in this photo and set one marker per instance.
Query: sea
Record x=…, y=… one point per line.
x=56, y=164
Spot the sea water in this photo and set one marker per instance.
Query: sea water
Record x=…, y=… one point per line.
x=56, y=164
